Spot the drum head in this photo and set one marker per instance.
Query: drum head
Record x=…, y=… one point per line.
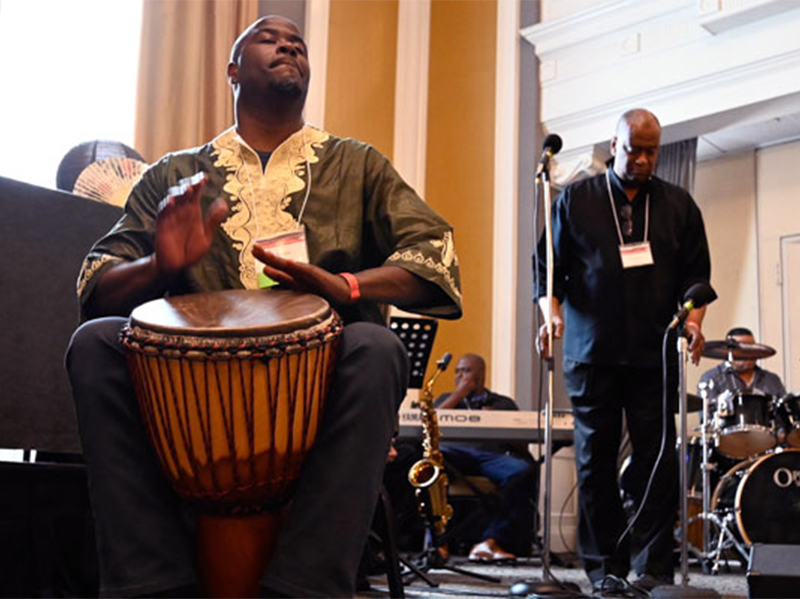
x=768, y=500
x=232, y=313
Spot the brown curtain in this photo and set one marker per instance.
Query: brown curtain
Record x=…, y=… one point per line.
x=184, y=98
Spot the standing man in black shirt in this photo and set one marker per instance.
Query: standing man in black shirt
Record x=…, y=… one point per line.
x=627, y=246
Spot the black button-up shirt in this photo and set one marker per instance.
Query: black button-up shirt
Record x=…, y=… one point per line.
x=616, y=316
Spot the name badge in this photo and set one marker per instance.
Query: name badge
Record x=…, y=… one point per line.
x=289, y=245
x=636, y=254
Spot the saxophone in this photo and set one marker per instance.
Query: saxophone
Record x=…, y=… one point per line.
x=427, y=475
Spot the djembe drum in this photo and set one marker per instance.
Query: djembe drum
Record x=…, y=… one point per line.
x=231, y=386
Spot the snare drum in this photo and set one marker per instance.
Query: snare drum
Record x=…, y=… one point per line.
x=787, y=411
x=743, y=425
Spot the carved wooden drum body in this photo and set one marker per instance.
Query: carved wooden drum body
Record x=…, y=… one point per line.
x=231, y=386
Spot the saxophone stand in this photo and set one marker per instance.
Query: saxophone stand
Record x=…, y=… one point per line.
x=548, y=586
x=430, y=559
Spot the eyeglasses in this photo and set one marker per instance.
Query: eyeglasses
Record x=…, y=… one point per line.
x=626, y=214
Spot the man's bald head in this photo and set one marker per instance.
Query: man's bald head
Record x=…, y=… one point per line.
x=238, y=45
x=638, y=117
x=635, y=147
x=269, y=66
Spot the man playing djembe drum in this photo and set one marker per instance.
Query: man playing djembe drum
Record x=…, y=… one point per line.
x=368, y=238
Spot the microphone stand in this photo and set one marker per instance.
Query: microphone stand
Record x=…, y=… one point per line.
x=683, y=590
x=548, y=587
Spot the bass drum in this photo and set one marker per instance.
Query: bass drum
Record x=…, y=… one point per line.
x=764, y=494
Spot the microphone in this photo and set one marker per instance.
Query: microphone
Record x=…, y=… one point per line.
x=443, y=362
x=551, y=146
x=697, y=296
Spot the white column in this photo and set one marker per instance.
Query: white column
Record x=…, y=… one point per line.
x=411, y=92
x=504, y=283
x=317, y=23
x=411, y=106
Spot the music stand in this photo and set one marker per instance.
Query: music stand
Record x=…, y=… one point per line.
x=417, y=335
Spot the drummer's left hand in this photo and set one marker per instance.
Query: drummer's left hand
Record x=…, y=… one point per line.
x=305, y=278
x=696, y=340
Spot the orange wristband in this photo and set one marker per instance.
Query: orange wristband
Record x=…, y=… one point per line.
x=352, y=282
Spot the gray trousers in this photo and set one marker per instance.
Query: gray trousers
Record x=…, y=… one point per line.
x=145, y=537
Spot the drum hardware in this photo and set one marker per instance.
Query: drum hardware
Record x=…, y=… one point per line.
x=755, y=501
x=731, y=350
x=683, y=589
x=787, y=413
x=726, y=540
x=722, y=537
x=694, y=403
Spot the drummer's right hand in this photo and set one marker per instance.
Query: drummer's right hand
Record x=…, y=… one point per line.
x=544, y=342
x=183, y=236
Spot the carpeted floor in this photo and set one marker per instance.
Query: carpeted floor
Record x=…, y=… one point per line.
x=729, y=585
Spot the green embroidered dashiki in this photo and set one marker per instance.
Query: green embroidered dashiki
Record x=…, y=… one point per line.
x=359, y=214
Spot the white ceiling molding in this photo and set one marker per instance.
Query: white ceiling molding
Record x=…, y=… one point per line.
x=506, y=189
x=598, y=63
x=607, y=17
x=720, y=16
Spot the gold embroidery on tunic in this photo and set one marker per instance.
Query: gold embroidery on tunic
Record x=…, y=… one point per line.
x=448, y=249
x=259, y=199
x=448, y=258
x=90, y=268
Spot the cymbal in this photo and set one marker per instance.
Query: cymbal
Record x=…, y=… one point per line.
x=694, y=403
x=722, y=350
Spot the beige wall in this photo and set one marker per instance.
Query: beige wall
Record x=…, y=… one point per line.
x=749, y=201
x=725, y=190
x=362, y=55
x=460, y=157
x=360, y=101
x=778, y=193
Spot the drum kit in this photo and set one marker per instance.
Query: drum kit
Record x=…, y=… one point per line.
x=747, y=455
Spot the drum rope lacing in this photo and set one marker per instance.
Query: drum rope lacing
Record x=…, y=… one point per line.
x=234, y=346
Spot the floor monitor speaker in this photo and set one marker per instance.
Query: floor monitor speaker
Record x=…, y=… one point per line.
x=773, y=571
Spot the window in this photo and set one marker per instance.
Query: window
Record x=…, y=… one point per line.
x=68, y=73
